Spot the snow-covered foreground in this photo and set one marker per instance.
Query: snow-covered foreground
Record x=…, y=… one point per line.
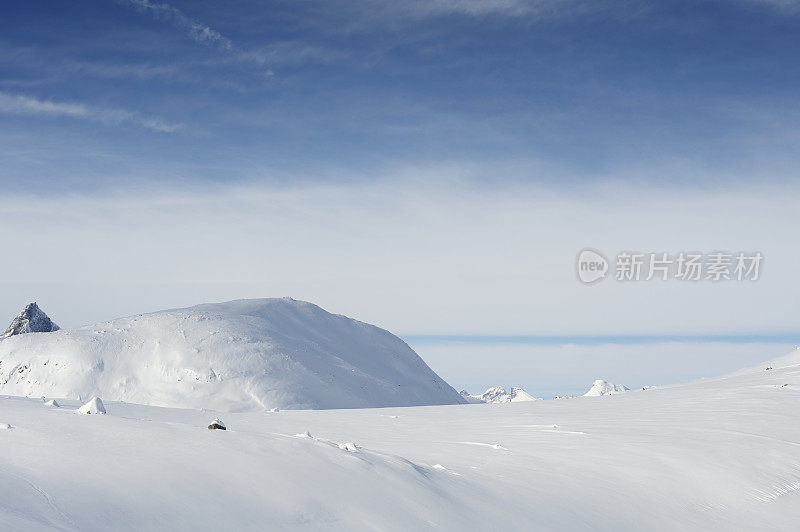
x=717, y=454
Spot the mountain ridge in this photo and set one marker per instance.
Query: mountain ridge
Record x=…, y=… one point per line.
x=498, y=394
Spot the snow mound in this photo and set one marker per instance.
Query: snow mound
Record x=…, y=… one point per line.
x=6, y=426
x=94, y=406
x=498, y=394
x=52, y=402
x=31, y=319
x=240, y=355
x=601, y=387
x=349, y=446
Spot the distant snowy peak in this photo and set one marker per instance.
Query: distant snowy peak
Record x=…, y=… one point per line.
x=31, y=319
x=519, y=395
x=468, y=397
x=498, y=394
x=601, y=387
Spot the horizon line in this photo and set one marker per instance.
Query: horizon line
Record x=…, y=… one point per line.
x=623, y=339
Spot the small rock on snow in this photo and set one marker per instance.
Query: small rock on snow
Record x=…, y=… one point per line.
x=217, y=424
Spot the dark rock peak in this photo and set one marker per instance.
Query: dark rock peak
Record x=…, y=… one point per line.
x=31, y=319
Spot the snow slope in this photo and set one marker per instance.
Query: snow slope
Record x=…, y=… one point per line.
x=498, y=394
x=601, y=387
x=246, y=354
x=718, y=454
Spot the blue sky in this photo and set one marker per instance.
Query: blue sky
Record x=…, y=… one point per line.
x=429, y=166
x=98, y=92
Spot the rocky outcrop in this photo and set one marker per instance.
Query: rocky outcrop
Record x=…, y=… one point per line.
x=31, y=319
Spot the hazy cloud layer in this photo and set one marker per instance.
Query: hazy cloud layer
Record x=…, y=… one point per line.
x=417, y=258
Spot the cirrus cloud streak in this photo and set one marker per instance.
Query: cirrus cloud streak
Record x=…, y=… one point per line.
x=27, y=105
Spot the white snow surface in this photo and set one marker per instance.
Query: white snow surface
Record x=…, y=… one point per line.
x=240, y=355
x=717, y=454
x=498, y=394
x=601, y=387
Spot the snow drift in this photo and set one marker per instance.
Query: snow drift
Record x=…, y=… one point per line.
x=246, y=354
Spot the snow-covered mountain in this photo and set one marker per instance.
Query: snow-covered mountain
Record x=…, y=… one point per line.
x=468, y=397
x=246, y=354
x=31, y=319
x=497, y=394
x=601, y=387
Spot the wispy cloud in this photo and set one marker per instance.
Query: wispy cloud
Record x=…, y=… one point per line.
x=777, y=3
x=479, y=7
x=372, y=11
x=202, y=33
x=365, y=13
x=791, y=7
x=26, y=105
x=196, y=30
